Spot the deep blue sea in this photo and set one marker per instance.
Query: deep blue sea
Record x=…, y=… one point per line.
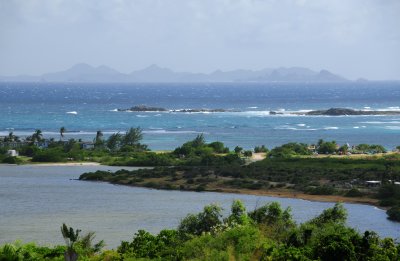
x=85, y=108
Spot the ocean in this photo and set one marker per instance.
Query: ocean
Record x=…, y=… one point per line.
x=84, y=108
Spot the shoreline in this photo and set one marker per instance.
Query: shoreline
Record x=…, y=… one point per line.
x=272, y=193
x=277, y=194
x=303, y=196
x=56, y=164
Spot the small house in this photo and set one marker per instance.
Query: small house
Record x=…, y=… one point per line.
x=87, y=145
x=373, y=183
x=12, y=153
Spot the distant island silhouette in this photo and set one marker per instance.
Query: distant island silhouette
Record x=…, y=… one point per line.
x=86, y=73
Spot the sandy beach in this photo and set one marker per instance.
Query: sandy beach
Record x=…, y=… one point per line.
x=66, y=164
x=300, y=195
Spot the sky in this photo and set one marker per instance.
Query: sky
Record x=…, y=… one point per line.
x=353, y=38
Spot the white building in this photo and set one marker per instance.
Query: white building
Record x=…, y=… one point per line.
x=12, y=153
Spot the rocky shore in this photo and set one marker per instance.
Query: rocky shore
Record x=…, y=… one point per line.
x=328, y=112
x=344, y=111
x=144, y=108
x=340, y=112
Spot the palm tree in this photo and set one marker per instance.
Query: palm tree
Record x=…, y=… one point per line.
x=62, y=131
x=11, y=137
x=70, y=236
x=37, y=136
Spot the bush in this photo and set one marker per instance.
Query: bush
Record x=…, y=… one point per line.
x=394, y=213
x=321, y=190
x=354, y=193
x=202, y=222
x=49, y=155
x=11, y=160
x=290, y=149
x=261, y=149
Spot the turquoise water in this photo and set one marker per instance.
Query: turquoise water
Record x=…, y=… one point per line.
x=85, y=108
x=36, y=200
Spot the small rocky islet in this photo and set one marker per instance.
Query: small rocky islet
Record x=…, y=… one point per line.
x=328, y=112
x=144, y=108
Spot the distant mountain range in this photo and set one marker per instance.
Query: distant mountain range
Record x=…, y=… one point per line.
x=87, y=73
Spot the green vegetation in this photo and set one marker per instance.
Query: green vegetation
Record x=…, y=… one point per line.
x=365, y=148
x=266, y=233
x=201, y=166
x=262, y=149
x=289, y=150
x=317, y=176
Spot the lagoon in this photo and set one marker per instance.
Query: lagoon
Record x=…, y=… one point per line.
x=35, y=200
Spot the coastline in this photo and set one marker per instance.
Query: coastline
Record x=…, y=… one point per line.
x=56, y=164
x=300, y=195
x=277, y=193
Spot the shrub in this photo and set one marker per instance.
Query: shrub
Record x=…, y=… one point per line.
x=261, y=149
x=394, y=213
x=202, y=222
x=321, y=190
x=11, y=160
x=354, y=193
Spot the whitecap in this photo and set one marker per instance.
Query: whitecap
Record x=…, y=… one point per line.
x=331, y=128
x=356, y=127
x=114, y=110
x=381, y=122
x=253, y=107
x=72, y=112
x=294, y=129
x=392, y=127
x=301, y=124
x=172, y=132
x=142, y=116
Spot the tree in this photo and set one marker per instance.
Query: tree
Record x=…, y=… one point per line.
x=11, y=137
x=70, y=236
x=326, y=147
x=87, y=244
x=248, y=153
x=37, y=136
x=344, y=149
x=62, y=131
x=238, y=214
x=261, y=149
x=202, y=222
x=218, y=147
x=199, y=141
x=132, y=137
x=272, y=213
x=114, y=141
x=238, y=150
x=337, y=214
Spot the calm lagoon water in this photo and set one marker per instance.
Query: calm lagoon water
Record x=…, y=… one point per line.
x=36, y=200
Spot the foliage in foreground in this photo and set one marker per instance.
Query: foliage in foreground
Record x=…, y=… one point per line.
x=267, y=233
